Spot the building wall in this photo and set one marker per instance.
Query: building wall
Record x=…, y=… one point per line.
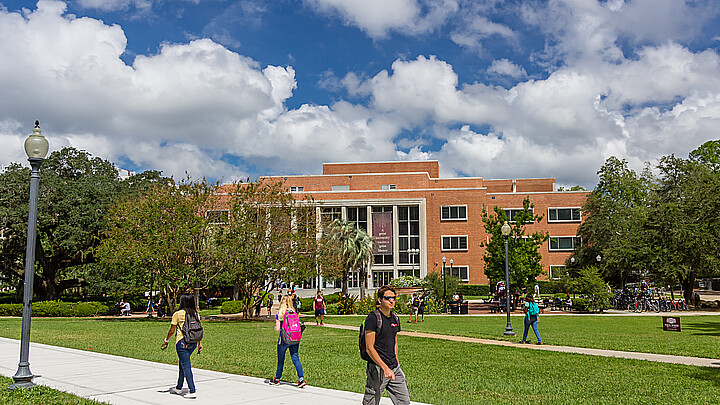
x=418, y=184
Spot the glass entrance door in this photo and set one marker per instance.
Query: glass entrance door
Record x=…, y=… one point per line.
x=381, y=278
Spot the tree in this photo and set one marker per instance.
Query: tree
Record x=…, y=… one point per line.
x=614, y=217
x=355, y=249
x=685, y=218
x=268, y=236
x=75, y=191
x=525, y=262
x=162, y=234
x=589, y=282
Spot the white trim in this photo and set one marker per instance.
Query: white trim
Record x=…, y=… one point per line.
x=394, y=191
x=564, y=220
x=467, y=243
x=454, y=219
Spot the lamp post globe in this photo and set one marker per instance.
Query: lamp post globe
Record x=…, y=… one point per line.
x=505, y=230
x=36, y=147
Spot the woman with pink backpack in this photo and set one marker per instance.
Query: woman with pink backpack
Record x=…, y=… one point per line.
x=287, y=322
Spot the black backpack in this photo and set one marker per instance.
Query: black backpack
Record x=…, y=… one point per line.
x=192, y=330
x=361, y=340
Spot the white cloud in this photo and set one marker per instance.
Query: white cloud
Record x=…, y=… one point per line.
x=504, y=67
x=476, y=28
x=115, y=5
x=378, y=17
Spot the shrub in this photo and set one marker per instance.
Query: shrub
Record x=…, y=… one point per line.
x=406, y=281
x=332, y=298
x=366, y=305
x=581, y=304
x=331, y=309
x=11, y=309
x=473, y=289
x=346, y=305
x=86, y=309
x=435, y=283
x=231, y=307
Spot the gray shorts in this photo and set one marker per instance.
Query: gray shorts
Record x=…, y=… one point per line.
x=377, y=383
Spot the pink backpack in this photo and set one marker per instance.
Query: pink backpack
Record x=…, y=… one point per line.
x=291, y=331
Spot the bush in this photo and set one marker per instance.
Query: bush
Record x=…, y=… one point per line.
x=231, y=307
x=11, y=309
x=435, y=283
x=331, y=309
x=346, y=305
x=57, y=309
x=366, y=305
x=473, y=289
x=406, y=281
x=581, y=304
x=332, y=298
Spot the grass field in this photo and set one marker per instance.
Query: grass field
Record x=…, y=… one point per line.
x=39, y=395
x=439, y=372
x=700, y=335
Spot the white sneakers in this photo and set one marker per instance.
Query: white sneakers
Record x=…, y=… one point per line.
x=186, y=395
x=190, y=395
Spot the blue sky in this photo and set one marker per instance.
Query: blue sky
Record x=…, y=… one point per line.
x=494, y=89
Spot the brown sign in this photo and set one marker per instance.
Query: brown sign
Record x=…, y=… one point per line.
x=382, y=232
x=671, y=323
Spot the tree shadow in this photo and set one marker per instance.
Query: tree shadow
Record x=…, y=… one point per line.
x=704, y=328
x=707, y=374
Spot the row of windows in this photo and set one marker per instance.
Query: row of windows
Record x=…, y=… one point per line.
x=300, y=189
x=557, y=243
x=459, y=212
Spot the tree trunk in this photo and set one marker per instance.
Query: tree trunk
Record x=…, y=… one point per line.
x=687, y=286
x=236, y=291
x=345, y=283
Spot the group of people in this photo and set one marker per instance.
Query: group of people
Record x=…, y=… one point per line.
x=417, y=304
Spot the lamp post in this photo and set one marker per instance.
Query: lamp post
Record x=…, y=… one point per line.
x=36, y=147
x=505, y=229
x=444, y=259
x=415, y=252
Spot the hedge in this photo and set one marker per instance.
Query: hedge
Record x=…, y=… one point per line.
x=57, y=309
x=473, y=289
x=231, y=307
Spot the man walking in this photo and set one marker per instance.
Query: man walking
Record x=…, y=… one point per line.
x=319, y=308
x=383, y=370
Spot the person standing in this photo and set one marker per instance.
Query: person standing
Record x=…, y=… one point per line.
x=536, y=291
x=421, y=307
x=184, y=350
x=414, y=307
x=319, y=302
x=531, y=310
x=150, y=308
x=383, y=370
x=286, y=306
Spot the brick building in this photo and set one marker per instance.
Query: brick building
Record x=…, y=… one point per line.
x=407, y=206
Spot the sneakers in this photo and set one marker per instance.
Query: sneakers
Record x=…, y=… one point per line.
x=274, y=381
x=175, y=391
x=322, y=324
x=539, y=343
x=190, y=395
x=301, y=384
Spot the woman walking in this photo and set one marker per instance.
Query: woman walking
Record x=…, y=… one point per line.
x=184, y=349
x=531, y=310
x=286, y=306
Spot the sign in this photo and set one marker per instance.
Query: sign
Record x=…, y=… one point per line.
x=382, y=232
x=671, y=323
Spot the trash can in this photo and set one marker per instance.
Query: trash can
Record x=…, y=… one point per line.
x=464, y=307
x=454, y=308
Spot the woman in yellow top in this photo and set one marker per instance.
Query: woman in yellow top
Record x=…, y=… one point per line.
x=286, y=305
x=184, y=350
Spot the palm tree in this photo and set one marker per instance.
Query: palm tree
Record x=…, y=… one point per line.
x=355, y=248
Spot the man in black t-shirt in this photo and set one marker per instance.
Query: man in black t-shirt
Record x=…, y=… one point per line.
x=383, y=371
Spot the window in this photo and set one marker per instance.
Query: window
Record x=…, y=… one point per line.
x=328, y=214
x=358, y=216
x=218, y=216
x=563, y=214
x=389, y=186
x=460, y=272
x=557, y=271
x=408, y=232
x=454, y=243
x=511, y=213
x=340, y=188
x=564, y=242
x=297, y=189
x=454, y=212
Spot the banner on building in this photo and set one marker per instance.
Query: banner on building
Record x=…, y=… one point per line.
x=382, y=232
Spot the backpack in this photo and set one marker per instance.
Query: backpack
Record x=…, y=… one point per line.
x=192, y=330
x=291, y=331
x=533, y=309
x=361, y=340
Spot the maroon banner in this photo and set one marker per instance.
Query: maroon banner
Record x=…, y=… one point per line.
x=671, y=323
x=382, y=232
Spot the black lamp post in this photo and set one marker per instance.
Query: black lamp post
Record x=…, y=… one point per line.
x=506, y=232
x=36, y=147
x=444, y=259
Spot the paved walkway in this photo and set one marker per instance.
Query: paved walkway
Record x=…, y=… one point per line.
x=662, y=358
x=125, y=381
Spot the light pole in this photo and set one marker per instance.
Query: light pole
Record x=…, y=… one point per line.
x=416, y=252
x=36, y=147
x=506, y=232
x=444, y=259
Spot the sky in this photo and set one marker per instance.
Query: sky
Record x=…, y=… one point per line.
x=490, y=88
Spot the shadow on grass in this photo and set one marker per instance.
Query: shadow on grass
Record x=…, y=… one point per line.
x=707, y=374
x=703, y=328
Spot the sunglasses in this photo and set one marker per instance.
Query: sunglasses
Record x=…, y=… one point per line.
x=388, y=298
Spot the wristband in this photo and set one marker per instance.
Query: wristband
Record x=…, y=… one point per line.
x=165, y=340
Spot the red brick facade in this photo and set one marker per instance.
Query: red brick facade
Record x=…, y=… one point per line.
x=396, y=185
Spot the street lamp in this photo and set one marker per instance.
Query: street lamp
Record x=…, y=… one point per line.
x=416, y=252
x=598, y=258
x=505, y=229
x=36, y=147
x=444, y=259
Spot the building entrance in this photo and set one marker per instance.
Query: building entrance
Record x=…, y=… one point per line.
x=381, y=278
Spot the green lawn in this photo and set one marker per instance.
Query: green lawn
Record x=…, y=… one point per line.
x=439, y=372
x=700, y=336
x=39, y=395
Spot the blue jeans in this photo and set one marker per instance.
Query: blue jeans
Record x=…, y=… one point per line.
x=281, y=349
x=528, y=324
x=184, y=351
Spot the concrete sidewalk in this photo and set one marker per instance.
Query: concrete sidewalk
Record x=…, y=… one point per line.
x=126, y=381
x=661, y=358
